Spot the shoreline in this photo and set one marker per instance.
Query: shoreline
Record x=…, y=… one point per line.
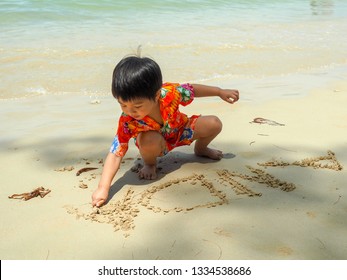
x=226, y=214
x=255, y=88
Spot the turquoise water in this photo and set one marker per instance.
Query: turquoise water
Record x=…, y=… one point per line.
x=54, y=47
x=59, y=18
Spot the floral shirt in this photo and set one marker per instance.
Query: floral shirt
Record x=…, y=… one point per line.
x=174, y=124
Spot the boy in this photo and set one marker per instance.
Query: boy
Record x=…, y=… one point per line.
x=151, y=116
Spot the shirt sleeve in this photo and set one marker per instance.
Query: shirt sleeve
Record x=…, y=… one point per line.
x=187, y=93
x=120, y=142
x=117, y=148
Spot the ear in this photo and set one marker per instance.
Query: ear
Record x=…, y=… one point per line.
x=157, y=95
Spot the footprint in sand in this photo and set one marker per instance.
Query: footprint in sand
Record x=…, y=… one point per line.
x=65, y=168
x=310, y=214
x=222, y=232
x=285, y=251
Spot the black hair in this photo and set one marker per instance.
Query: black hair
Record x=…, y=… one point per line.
x=136, y=77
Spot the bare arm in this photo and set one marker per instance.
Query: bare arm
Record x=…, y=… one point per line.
x=111, y=166
x=228, y=95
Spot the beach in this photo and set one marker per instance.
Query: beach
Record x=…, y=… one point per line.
x=198, y=208
x=279, y=193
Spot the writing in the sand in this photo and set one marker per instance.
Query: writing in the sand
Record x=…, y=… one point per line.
x=122, y=213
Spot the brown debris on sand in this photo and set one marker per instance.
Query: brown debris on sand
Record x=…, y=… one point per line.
x=85, y=169
x=40, y=191
x=266, y=121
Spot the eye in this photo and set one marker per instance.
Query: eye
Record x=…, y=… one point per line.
x=138, y=107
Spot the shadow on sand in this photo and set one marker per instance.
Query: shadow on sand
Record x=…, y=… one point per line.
x=166, y=165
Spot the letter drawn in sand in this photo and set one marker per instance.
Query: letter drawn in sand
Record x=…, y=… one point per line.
x=195, y=179
x=227, y=176
x=259, y=176
x=328, y=161
x=122, y=213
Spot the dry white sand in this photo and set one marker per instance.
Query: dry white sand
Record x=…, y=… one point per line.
x=279, y=193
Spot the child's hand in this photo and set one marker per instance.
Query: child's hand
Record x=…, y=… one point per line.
x=99, y=197
x=229, y=95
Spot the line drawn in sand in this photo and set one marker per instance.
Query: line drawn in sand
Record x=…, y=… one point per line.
x=122, y=213
x=148, y=194
x=328, y=161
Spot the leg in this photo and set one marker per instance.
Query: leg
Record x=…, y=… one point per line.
x=206, y=129
x=151, y=145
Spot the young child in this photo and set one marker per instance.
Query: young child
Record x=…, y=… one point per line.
x=151, y=116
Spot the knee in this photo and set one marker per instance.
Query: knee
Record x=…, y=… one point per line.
x=207, y=126
x=216, y=124
x=149, y=140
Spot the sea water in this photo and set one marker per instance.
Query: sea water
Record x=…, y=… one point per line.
x=264, y=48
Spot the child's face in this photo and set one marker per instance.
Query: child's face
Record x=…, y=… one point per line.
x=138, y=108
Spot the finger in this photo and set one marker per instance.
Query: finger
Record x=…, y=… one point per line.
x=94, y=203
x=237, y=95
x=100, y=202
x=234, y=97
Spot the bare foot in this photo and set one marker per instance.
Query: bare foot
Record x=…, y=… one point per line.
x=210, y=153
x=148, y=172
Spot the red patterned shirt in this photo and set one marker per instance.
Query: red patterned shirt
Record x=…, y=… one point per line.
x=177, y=128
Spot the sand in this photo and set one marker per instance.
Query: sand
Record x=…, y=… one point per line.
x=279, y=192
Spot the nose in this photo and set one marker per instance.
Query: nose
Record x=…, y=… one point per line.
x=132, y=111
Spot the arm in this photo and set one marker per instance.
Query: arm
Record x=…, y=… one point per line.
x=228, y=95
x=112, y=164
